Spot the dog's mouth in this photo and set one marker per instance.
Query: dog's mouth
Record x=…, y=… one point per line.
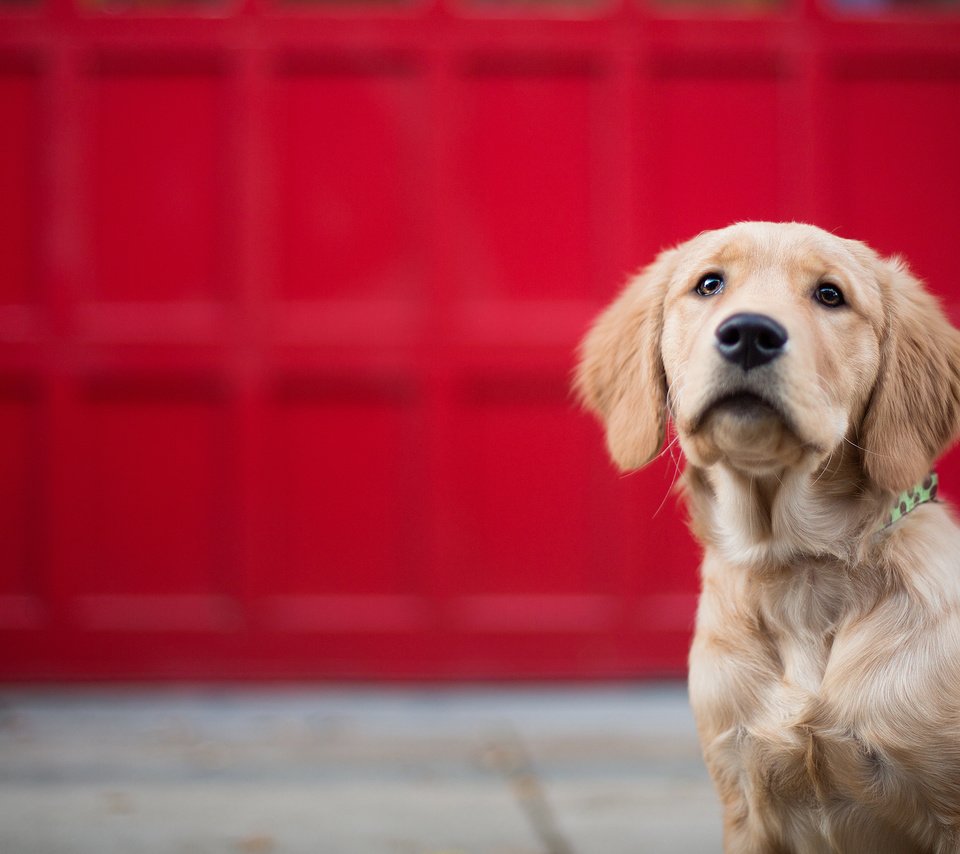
x=744, y=405
x=747, y=430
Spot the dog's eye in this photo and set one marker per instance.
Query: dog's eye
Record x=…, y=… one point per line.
x=710, y=285
x=829, y=295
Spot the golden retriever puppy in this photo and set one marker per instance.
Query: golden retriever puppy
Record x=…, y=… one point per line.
x=811, y=384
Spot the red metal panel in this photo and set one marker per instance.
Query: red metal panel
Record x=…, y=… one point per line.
x=525, y=158
x=156, y=153
x=895, y=164
x=18, y=181
x=148, y=548
x=729, y=116
x=19, y=510
x=342, y=513
x=521, y=509
x=346, y=136
x=289, y=298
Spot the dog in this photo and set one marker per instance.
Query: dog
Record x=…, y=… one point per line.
x=811, y=384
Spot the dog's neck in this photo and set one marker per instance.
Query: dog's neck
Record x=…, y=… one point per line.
x=777, y=519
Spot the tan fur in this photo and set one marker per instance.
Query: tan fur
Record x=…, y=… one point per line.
x=825, y=668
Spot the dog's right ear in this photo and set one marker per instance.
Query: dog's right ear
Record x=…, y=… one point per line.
x=620, y=376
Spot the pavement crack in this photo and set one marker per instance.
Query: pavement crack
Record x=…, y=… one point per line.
x=507, y=755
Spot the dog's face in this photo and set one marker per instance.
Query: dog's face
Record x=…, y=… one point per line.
x=769, y=345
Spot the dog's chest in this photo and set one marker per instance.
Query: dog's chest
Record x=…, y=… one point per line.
x=772, y=745
x=770, y=739
x=801, y=614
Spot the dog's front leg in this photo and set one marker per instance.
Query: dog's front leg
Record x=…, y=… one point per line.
x=743, y=833
x=749, y=825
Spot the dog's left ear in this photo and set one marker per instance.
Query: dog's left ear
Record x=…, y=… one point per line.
x=914, y=411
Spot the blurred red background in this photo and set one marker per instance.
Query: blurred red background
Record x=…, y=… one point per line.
x=289, y=295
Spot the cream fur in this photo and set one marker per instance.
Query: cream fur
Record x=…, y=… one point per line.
x=825, y=667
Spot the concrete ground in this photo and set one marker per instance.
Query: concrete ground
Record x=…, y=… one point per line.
x=578, y=770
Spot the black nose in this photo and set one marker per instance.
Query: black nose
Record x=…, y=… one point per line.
x=750, y=340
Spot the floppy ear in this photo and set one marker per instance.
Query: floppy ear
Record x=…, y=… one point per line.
x=914, y=411
x=620, y=376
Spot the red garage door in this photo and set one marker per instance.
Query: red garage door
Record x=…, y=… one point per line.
x=289, y=293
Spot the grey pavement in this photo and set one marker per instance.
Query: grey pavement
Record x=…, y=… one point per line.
x=476, y=770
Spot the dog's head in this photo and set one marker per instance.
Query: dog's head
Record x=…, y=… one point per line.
x=769, y=345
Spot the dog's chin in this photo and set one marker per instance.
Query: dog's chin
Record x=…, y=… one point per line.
x=747, y=433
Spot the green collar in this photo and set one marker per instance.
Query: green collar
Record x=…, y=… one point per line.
x=911, y=499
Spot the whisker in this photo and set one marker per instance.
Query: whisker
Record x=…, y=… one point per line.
x=668, y=448
x=824, y=469
x=666, y=495
x=867, y=450
x=677, y=472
